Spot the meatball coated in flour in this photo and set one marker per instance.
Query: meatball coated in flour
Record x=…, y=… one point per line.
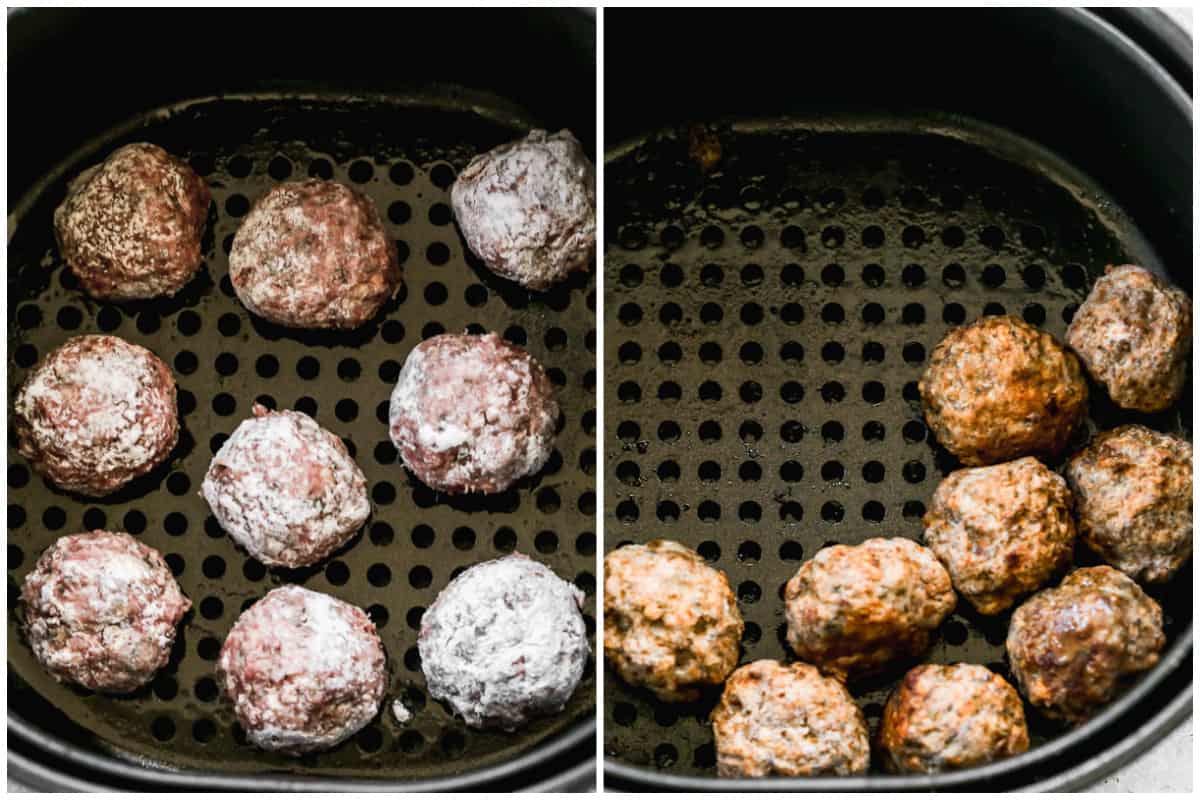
x=999, y=389
x=1001, y=531
x=314, y=254
x=1134, y=334
x=130, y=227
x=286, y=489
x=1133, y=490
x=304, y=671
x=853, y=610
x=95, y=414
x=950, y=717
x=1072, y=647
x=788, y=719
x=472, y=413
x=671, y=622
x=528, y=208
x=100, y=610
x=504, y=642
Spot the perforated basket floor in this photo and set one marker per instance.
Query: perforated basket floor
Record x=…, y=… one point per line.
x=766, y=327
x=404, y=155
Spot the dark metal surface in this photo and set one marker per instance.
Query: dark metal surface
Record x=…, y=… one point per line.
x=767, y=324
x=403, y=151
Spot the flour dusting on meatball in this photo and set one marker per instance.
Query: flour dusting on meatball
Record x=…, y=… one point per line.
x=286, y=489
x=504, y=642
x=100, y=610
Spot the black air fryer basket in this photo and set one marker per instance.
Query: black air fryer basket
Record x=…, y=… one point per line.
x=392, y=104
x=884, y=176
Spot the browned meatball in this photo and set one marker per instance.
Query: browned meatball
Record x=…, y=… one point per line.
x=314, y=254
x=1134, y=334
x=854, y=610
x=100, y=609
x=671, y=622
x=999, y=388
x=1002, y=531
x=528, y=208
x=1133, y=495
x=788, y=719
x=950, y=717
x=472, y=413
x=95, y=414
x=130, y=227
x=1071, y=647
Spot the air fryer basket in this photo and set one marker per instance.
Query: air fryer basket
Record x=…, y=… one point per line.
x=767, y=323
x=403, y=149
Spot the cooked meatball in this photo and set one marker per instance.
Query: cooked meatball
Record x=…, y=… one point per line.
x=854, y=610
x=1134, y=334
x=1001, y=531
x=671, y=622
x=286, y=489
x=1072, y=646
x=472, y=413
x=999, y=389
x=504, y=642
x=528, y=208
x=100, y=609
x=304, y=671
x=788, y=719
x=130, y=227
x=314, y=254
x=95, y=414
x=1133, y=495
x=949, y=717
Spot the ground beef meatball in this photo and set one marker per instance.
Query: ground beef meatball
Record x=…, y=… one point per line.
x=130, y=227
x=528, y=208
x=504, y=642
x=1134, y=334
x=1133, y=495
x=671, y=622
x=304, y=671
x=472, y=413
x=95, y=414
x=999, y=388
x=1070, y=647
x=286, y=489
x=100, y=609
x=949, y=717
x=1002, y=531
x=314, y=254
x=854, y=610
x=788, y=719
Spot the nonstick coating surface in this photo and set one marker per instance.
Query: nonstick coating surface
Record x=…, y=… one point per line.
x=767, y=324
x=404, y=153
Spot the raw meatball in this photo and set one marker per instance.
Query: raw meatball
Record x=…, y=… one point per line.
x=304, y=671
x=854, y=610
x=528, y=208
x=314, y=254
x=788, y=719
x=95, y=414
x=504, y=642
x=1002, y=531
x=950, y=717
x=1133, y=495
x=472, y=413
x=130, y=227
x=1134, y=334
x=100, y=609
x=999, y=389
x=671, y=622
x=286, y=489
x=1072, y=646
